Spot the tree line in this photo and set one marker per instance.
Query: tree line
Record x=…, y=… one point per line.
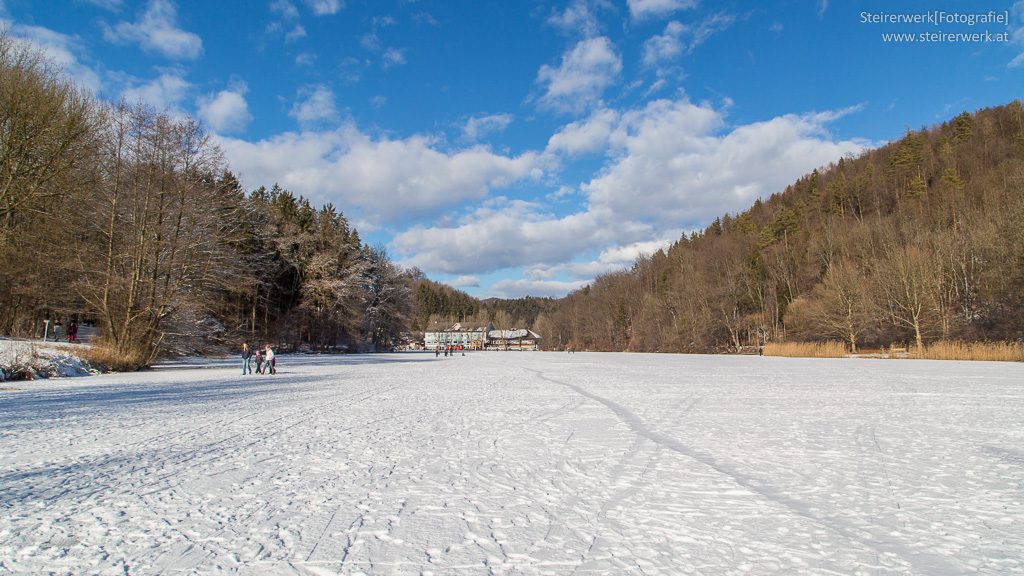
x=128, y=217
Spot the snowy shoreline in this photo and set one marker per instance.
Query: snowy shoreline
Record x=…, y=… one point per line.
x=22, y=360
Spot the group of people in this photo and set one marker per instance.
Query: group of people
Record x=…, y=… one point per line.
x=71, y=333
x=266, y=361
x=448, y=350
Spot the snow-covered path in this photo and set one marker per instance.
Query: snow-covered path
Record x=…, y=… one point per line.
x=519, y=463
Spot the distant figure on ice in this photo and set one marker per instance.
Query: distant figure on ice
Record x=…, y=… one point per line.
x=57, y=329
x=269, y=360
x=246, y=358
x=437, y=351
x=259, y=361
x=73, y=332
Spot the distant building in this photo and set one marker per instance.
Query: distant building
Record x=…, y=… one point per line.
x=461, y=338
x=481, y=338
x=519, y=339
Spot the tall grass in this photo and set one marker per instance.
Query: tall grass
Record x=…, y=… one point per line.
x=956, y=350
x=828, y=349
x=108, y=359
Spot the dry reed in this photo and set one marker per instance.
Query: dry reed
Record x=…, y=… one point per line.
x=109, y=360
x=829, y=349
x=957, y=350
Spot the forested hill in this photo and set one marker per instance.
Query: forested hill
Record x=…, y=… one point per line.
x=438, y=306
x=921, y=239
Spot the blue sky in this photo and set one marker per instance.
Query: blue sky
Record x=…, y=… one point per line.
x=524, y=146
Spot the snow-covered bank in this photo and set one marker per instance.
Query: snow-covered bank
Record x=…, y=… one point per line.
x=28, y=360
x=526, y=463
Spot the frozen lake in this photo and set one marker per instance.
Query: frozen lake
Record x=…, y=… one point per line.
x=519, y=463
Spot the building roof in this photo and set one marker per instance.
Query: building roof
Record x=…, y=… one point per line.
x=515, y=334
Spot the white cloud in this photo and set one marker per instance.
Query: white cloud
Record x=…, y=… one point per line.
x=325, y=7
x=672, y=166
x=305, y=59
x=465, y=282
x=285, y=8
x=641, y=9
x=165, y=92
x=679, y=39
x=382, y=179
x=157, y=31
x=314, y=104
x=227, y=111
x=514, y=235
x=61, y=49
x=709, y=26
x=585, y=136
x=480, y=126
x=370, y=41
x=612, y=259
x=1017, y=32
x=521, y=287
x=393, y=57
x=296, y=32
x=577, y=18
x=667, y=46
x=676, y=168
x=586, y=70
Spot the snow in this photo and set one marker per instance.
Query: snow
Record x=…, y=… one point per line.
x=43, y=359
x=518, y=463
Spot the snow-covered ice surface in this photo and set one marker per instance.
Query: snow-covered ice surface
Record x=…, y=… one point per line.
x=519, y=463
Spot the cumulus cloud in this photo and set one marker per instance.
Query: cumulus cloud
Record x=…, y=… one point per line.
x=157, y=31
x=226, y=111
x=164, y=93
x=585, y=136
x=666, y=46
x=314, y=104
x=641, y=9
x=480, y=126
x=382, y=179
x=325, y=7
x=611, y=259
x=577, y=18
x=677, y=165
x=514, y=235
x=584, y=73
x=672, y=166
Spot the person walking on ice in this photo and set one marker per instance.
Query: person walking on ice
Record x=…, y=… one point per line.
x=246, y=359
x=269, y=361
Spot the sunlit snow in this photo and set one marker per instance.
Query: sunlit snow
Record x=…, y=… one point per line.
x=518, y=463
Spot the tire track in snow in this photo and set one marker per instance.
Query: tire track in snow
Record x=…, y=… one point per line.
x=920, y=563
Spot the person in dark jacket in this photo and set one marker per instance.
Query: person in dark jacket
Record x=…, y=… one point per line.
x=246, y=359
